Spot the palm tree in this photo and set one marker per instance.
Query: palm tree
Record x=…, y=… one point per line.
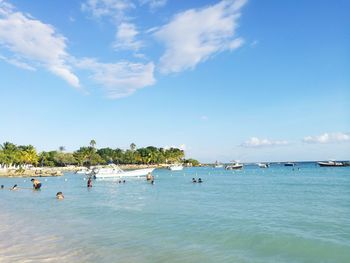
x=93, y=143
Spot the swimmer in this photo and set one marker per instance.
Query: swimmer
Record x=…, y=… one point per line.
x=15, y=187
x=89, y=182
x=200, y=180
x=60, y=196
x=2, y=186
x=36, y=184
x=149, y=177
x=124, y=182
x=194, y=180
x=152, y=182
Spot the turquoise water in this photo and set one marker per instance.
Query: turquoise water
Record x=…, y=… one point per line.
x=254, y=215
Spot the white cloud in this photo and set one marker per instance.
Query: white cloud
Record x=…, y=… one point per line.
x=328, y=138
x=112, y=8
x=255, y=142
x=34, y=43
x=153, y=4
x=126, y=37
x=120, y=79
x=195, y=35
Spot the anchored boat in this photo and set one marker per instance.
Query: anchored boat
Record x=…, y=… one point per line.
x=331, y=164
x=234, y=166
x=175, y=167
x=113, y=171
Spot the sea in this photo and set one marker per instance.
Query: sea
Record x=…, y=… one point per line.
x=277, y=214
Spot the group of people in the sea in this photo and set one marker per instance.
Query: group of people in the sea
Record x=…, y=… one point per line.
x=37, y=184
x=197, y=181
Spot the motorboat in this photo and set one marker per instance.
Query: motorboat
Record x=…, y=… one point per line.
x=289, y=164
x=175, y=167
x=263, y=165
x=331, y=164
x=218, y=165
x=234, y=166
x=113, y=171
x=84, y=170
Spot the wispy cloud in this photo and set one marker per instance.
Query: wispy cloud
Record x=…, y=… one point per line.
x=17, y=63
x=153, y=4
x=255, y=142
x=119, y=79
x=126, y=37
x=107, y=8
x=195, y=35
x=335, y=137
x=34, y=43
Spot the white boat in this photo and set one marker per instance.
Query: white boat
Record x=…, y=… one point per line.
x=218, y=165
x=84, y=171
x=114, y=171
x=263, y=165
x=331, y=164
x=175, y=167
x=234, y=166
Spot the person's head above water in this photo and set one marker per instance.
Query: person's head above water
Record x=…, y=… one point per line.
x=59, y=195
x=32, y=180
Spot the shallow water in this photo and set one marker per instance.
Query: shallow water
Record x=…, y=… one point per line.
x=254, y=215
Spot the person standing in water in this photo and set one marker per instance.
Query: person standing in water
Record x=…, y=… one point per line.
x=149, y=177
x=36, y=184
x=89, y=183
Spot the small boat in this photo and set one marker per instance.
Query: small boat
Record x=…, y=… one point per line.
x=218, y=165
x=331, y=164
x=263, y=165
x=113, y=171
x=85, y=171
x=234, y=166
x=289, y=164
x=175, y=167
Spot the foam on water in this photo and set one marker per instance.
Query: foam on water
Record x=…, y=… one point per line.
x=255, y=215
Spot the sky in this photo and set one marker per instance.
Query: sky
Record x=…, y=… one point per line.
x=224, y=80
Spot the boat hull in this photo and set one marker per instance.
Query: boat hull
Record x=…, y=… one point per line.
x=234, y=167
x=132, y=173
x=176, y=168
x=330, y=164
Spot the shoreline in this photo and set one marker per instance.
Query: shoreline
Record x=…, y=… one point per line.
x=59, y=171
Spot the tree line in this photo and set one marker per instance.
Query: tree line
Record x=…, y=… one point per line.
x=11, y=154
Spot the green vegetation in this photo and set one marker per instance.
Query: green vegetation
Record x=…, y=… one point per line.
x=11, y=154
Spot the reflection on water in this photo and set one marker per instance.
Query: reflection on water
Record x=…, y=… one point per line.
x=254, y=215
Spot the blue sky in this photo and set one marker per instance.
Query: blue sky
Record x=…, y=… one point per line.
x=233, y=79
